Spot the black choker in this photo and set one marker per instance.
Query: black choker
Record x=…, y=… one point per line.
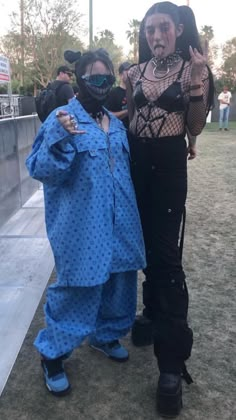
x=162, y=66
x=98, y=117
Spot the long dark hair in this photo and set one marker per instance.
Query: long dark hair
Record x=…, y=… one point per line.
x=190, y=36
x=178, y=14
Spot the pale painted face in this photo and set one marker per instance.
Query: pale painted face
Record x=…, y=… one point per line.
x=161, y=34
x=97, y=68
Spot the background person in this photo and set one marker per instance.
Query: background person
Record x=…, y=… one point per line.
x=62, y=85
x=55, y=94
x=117, y=101
x=224, y=100
x=169, y=92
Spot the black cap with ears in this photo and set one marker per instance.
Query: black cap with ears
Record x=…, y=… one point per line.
x=72, y=56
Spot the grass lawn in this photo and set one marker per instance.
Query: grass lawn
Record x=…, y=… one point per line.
x=214, y=126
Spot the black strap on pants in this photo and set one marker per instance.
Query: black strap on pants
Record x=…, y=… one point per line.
x=159, y=171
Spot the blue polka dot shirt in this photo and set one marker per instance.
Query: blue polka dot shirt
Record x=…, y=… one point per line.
x=91, y=214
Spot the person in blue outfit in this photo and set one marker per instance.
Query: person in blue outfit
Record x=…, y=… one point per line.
x=81, y=155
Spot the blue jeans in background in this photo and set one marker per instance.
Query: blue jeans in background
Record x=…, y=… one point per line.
x=224, y=117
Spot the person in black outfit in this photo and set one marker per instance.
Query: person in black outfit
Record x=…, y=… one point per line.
x=62, y=86
x=117, y=101
x=169, y=93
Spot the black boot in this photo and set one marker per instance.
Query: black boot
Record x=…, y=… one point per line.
x=169, y=394
x=142, y=331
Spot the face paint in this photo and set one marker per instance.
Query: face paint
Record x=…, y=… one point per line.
x=161, y=34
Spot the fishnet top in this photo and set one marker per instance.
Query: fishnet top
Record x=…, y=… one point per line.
x=152, y=121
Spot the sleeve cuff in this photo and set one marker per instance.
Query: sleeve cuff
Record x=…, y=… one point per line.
x=55, y=132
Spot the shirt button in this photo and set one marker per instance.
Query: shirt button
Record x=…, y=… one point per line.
x=169, y=210
x=153, y=167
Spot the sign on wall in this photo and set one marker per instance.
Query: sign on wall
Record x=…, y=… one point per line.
x=4, y=70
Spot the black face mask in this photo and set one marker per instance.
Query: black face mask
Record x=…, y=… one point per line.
x=98, y=85
x=93, y=91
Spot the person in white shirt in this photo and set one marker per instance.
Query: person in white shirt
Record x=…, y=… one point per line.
x=224, y=99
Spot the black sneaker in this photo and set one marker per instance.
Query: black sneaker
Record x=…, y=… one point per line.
x=55, y=377
x=142, y=331
x=169, y=395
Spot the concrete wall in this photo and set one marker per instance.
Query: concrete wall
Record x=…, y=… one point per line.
x=16, y=187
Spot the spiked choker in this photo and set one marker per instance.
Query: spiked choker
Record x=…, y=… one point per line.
x=162, y=66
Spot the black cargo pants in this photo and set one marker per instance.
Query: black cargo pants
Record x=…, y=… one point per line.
x=159, y=171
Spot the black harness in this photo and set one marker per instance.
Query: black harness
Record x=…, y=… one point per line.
x=171, y=100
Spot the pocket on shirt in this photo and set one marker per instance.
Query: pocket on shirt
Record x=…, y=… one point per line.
x=88, y=143
x=91, y=160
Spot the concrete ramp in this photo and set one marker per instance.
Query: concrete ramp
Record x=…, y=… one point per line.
x=26, y=263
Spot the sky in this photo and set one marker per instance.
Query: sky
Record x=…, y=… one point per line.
x=115, y=16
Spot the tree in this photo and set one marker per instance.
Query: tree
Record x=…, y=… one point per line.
x=228, y=68
x=132, y=36
x=105, y=39
x=47, y=32
x=207, y=34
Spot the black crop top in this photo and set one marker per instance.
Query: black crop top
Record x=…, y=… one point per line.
x=171, y=100
x=162, y=105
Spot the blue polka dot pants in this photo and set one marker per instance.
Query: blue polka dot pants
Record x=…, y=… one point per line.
x=106, y=312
